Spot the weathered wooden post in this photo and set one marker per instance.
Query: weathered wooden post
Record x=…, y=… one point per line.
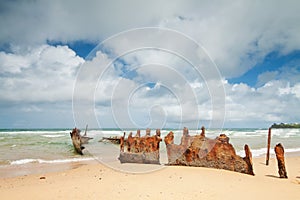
x=268, y=148
x=279, y=150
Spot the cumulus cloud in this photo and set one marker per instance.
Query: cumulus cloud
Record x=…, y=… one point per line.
x=152, y=84
x=39, y=21
x=154, y=96
x=236, y=34
x=275, y=101
x=44, y=73
x=239, y=35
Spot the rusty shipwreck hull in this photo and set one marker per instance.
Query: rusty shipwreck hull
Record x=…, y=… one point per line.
x=142, y=157
x=139, y=149
x=200, y=151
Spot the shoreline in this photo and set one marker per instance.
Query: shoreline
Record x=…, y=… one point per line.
x=94, y=180
x=11, y=171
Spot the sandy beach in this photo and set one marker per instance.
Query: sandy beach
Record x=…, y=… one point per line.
x=96, y=181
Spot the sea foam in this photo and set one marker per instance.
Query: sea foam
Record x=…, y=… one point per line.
x=30, y=160
x=53, y=136
x=263, y=151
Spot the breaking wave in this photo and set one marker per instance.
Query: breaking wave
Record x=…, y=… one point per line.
x=30, y=160
x=263, y=151
x=53, y=136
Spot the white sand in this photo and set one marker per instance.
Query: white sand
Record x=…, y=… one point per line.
x=96, y=181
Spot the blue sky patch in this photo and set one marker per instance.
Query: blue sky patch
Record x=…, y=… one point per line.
x=82, y=48
x=272, y=62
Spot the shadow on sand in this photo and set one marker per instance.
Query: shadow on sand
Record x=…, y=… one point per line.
x=262, y=163
x=272, y=176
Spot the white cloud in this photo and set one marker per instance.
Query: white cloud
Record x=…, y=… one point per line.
x=67, y=20
x=172, y=98
x=237, y=35
x=276, y=101
x=296, y=90
x=45, y=73
x=11, y=63
x=176, y=97
x=266, y=77
x=31, y=108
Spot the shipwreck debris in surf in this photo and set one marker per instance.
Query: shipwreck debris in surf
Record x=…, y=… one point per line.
x=84, y=138
x=76, y=140
x=112, y=139
x=79, y=140
x=137, y=149
x=200, y=151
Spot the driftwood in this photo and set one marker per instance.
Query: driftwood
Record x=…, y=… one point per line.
x=201, y=151
x=140, y=149
x=279, y=150
x=78, y=140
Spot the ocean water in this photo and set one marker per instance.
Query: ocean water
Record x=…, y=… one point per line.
x=21, y=147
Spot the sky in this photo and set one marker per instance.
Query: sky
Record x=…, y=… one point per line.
x=138, y=64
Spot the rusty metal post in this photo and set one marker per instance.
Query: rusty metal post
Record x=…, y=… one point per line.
x=203, y=131
x=248, y=159
x=279, y=150
x=122, y=142
x=268, y=148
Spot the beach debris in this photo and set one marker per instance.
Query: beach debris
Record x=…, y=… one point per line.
x=200, y=151
x=138, y=133
x=138, y=149
x=85, y=132
x=268, y=147
x=112, y=139
x=84, y=138
x=122, y=142
x=279, y=150
x=42, y=177
x=202, y=131
x=78, y=140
